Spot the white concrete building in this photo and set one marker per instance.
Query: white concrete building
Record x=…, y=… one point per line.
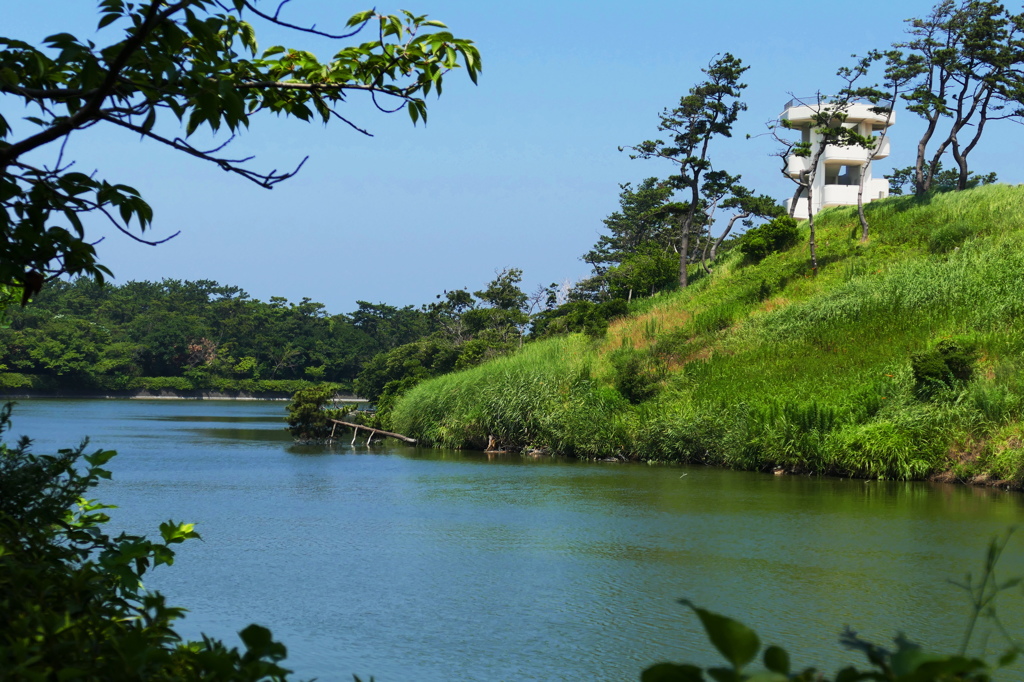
x=838, y=176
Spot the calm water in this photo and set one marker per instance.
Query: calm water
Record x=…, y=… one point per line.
x=411, y=564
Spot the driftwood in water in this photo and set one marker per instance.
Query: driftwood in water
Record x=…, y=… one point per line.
x=373, y=431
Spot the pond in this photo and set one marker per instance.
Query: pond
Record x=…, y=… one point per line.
x=406, y=563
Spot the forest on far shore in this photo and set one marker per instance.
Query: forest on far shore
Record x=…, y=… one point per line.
x=174, y=335
x=177, y=335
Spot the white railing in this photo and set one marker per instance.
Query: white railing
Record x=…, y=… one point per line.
x=851, y=154
x=883, y=148
x=839, y=195
x=795, y=165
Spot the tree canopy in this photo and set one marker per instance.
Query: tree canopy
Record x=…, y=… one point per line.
x=166, y=65
x=707, y=111
x=963, y=62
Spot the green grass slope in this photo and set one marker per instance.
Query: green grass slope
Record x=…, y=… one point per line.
x=760, y=366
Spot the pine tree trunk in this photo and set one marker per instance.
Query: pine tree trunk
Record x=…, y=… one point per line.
x=921, y=183
x=860, y=200
x=796, y=200
x=812, y=174
x=810, y=223
x=961, y=164
x=684, y=250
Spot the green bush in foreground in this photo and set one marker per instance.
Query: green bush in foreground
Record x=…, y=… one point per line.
x=906, y=662
x=740, y=646
x=70, y=594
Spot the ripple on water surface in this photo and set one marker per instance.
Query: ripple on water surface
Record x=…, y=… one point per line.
x=412, y=564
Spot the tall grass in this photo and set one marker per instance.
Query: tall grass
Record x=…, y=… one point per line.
x=771, y=367
x=542, y=397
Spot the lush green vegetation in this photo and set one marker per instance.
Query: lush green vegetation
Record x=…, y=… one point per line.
x=181, y=336
x=902, y=358
x=184, y=336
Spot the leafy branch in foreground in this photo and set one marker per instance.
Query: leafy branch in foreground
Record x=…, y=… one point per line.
x=196, y=62
x=906, y=662
x=72, y=596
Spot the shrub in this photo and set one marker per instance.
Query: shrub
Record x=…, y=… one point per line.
x=9, y=380
x=637, y=374
x=308, y=418
x=775, y=235
x=949, y=237
x=163, y=384
x=946, y=365
x=577, y=316
x=650, y=269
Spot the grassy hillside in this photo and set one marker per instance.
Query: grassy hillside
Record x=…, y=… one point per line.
x=903, y=358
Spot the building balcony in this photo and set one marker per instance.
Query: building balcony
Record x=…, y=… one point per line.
x=798, y=114
x=846, y=195
x=795, y=165
x=846, y=155
x=855, y=155
x=803, y=111
x=882, y=149
x=839, y=195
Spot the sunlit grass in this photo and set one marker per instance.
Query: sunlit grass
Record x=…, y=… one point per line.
x=769, y=366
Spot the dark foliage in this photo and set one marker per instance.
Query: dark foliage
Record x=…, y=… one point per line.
x=948, y=364
x=637, y=374
x=775, y=235
x=307, y=417
x=202, y=334
x=944, y=180
x=577, y=316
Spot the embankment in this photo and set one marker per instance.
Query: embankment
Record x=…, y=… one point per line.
x=903, y=358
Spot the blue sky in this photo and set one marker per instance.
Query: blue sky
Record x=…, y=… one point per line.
x=515, y=172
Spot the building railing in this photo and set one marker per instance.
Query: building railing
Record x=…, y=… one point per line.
x=819, y=100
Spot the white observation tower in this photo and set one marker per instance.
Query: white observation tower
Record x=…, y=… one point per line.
x=837, y=179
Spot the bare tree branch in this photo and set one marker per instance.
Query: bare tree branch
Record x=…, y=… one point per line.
x=274, y=18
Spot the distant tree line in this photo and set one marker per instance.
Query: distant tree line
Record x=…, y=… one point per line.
x=183, y=335
x=197, y=334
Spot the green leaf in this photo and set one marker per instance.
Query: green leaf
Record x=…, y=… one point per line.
x=107, y=20
x=360, y=17
x=1008, y=657
x=260, y=643
x=174, y=533
x=100, y=457
x=672, y=672
x=147, y=124
x=776, y=659
x=737, y=643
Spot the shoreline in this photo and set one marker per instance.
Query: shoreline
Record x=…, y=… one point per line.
x=161, y=395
